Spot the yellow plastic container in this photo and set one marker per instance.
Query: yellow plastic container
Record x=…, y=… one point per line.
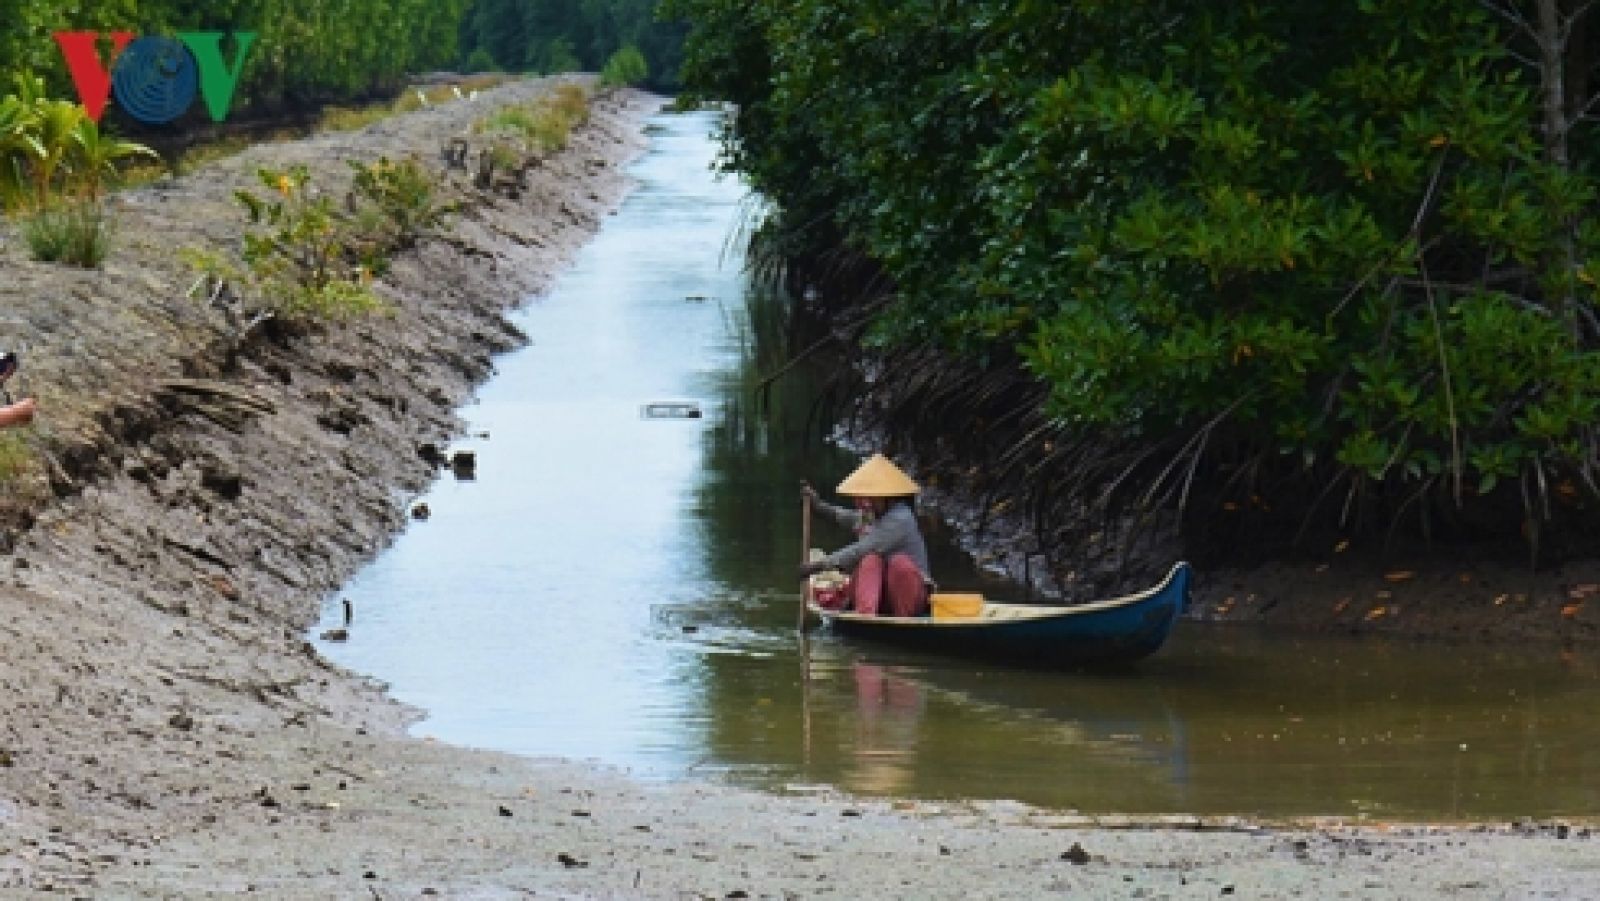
x=956, y=605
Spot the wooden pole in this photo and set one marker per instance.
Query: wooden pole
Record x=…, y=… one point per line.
x=805, y=556
x=805, y=644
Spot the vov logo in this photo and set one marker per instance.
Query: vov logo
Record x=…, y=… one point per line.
x=154, y=77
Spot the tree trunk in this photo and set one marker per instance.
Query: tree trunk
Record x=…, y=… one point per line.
x=1552, y=62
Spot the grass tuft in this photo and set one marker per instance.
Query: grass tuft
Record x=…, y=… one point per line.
x=74, y=231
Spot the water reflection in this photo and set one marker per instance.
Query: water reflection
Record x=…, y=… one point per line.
x=1229, y=722
x=882, y=755
x=621, y=588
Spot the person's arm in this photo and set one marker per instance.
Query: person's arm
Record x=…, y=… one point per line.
x=888, y=533
x=844, y=516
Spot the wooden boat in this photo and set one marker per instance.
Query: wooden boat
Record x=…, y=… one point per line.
x=1118, y=630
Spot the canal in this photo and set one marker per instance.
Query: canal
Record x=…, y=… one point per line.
x=617, y=586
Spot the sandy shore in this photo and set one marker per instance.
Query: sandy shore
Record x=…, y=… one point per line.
x=169, y=733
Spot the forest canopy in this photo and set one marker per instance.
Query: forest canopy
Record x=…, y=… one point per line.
x=563, y=35
x=305, y=51
x=1338, y=249
x=310, y=51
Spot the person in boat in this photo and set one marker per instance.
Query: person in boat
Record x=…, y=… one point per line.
x=13, y=413
x=888, y=560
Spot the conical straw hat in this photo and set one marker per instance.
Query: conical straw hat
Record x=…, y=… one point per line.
x=878, y=478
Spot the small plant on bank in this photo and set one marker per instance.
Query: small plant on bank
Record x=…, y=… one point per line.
x=625, y=68
x=16, y=457
x=98, y=158
x=298, y=253
x=75, y=231
x=55, y=163
x=544, y=125
x=403, y=196
x=306, y=259
x=504, y=156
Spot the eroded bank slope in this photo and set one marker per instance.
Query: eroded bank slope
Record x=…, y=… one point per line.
x=204, y=486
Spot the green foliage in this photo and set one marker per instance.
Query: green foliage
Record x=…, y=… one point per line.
x=554, y=56
x=50, y=148
x=625, y=67
x=16, y=456
x=311, y=51
x=402, y=193
x=299, y=255
x=306, y=50
x=1345, y=233
x=556, y=36
x=540, y=126
x=306, y=260
x=96, y=156
x=480, y=60
x=75, y=231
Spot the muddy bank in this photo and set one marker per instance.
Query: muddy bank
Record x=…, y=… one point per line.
x=200, y=488
x=169, y=733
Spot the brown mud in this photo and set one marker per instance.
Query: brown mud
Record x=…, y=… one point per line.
x=168, y=732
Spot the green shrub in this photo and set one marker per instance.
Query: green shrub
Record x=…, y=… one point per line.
x=76, y=232
x=16, y=456
x=544, y=124
x=402, y=192
x=300, y=255
x=625, y=67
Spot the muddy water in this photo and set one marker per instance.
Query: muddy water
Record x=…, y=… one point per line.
x=617, y=586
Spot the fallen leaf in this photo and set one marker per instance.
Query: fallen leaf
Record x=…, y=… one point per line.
x=1340, y=547
x=1571, y=610
x=1399, y=575
x=1376, y=613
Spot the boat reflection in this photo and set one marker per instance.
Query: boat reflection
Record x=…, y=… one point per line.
x=882, y=756
x=894, y=723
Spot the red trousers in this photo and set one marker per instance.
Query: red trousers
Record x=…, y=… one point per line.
x=895, y=589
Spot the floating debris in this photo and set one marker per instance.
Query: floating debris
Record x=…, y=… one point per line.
x=670, y=410
x=1075, y=855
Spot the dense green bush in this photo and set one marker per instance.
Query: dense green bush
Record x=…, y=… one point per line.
x=625, y=67
x=1351, y=246
x=480, y=60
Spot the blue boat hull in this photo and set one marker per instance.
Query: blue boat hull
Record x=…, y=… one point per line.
x=1105, y=632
